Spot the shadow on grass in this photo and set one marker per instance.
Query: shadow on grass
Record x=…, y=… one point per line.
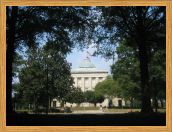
x=129, y=119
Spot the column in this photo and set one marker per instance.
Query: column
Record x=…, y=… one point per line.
x=83, y=84
x=90, y=88
x=97, y=80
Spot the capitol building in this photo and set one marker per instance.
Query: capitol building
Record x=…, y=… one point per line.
x=86, y=77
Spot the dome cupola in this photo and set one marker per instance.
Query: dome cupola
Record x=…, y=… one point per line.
x=86, y=63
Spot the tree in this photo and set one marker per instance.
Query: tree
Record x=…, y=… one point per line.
x=107, y=88
x=93, y=97
x=33, y=81
x=59, y=69
x=128, y=89
x=45, y=76
x=75, y=96
x=145, y=27
x=18, y=102
x=11, y=27
x=158, y=77
x=126, y=72
x=29, y=26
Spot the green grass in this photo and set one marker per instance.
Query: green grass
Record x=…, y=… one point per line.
x=130, y=110
x=23, y=110
x=86, y=108
x=162, y=110
x=113, y=110
x=122, y=110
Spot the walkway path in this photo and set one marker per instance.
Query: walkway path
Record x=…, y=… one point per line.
x=94, y=112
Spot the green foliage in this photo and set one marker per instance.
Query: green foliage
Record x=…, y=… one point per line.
x=93, y=97
x=128, y=88
x=126, y=72
x=75, y=96
x=54, y=22
x=158, y=70
x=136, y=34
x=32, y=80
x=143, y=28
x=158, y=77
x=43, y=77
x=31, y=26
x=107, y=88
x=18, y=61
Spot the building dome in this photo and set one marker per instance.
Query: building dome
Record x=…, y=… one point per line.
x=86, y=63
x=86, y=66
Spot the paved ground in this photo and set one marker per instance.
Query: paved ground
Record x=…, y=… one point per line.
x=88, y=111
x=94, y=112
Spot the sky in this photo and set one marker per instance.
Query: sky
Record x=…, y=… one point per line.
x=77, y=56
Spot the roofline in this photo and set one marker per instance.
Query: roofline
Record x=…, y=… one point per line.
x=86, y=72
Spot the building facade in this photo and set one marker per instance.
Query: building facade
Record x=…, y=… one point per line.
x=86, y=77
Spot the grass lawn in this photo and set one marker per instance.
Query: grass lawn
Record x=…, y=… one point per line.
x=122, y=110
x=112, y=110
x=84, y=108
x=117, y=110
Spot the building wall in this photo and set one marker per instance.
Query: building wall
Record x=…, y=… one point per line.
x=88, y=81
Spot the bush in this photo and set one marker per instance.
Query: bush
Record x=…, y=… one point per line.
x=67, y=110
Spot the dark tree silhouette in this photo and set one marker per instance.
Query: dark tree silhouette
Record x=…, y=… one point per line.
x=27, y=26
x=145, y=27
x=11, y=31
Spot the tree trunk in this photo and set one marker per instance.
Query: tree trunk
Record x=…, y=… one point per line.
x=156, y=104
x=10, y=58
x=141, y=37
x=49, y=102
x=131, y=104
x=47, y=88
x=94, y=104
x=162, y=104
x=145, y=89
x=62, y=104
